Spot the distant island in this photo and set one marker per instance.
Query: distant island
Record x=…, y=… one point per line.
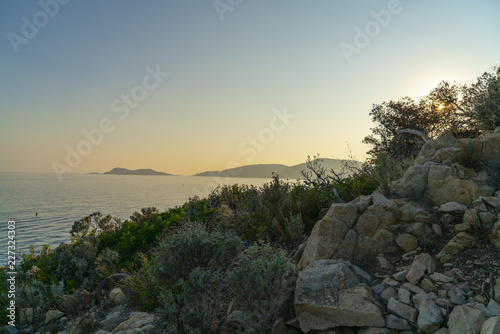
x=125, y=171
x=266, y=170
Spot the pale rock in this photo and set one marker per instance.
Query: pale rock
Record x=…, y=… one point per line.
x=412, y=287
x=112, y=320
x=388, y=294
x=452, y=207
x=456, y=298
x=395, y=322
x=402, y=310
x=462, y=227
x=471, y=218
x=436, y=229
x=427, y=285
x=465, y=319
x=441, y=278
x=479, y=205
x=493, y=309
x=413, y=183
x=382, y=263
x=117, y=296
x=429, y=316
x=492, y=202
x=494, y=235
x=407, y=242
x=404, y=296
x=491, y=326
x=391, y=282
x=137, y=320
x=53, y=315
x=400, y=275
x=362, y=275
x=346, y=212
x=327, y=296
x=418, y=230
x=459, y=242
x=488, y=219
x=423, y=263
x=379, y=198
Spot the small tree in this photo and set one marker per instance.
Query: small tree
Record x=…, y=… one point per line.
x=94, y=224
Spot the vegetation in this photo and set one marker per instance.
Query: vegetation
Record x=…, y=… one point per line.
x=192, y=261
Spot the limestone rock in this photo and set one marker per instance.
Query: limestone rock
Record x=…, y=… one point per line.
x=429, y=316
x=117, y=296
x=452, y=207
x=407, y=242
x=327, y=295
x=402, y=310
x=465, y=319
x=413, y=183
x=421, y=264
x=136, y=320
x=394, y=322
x=491, y=326
x=494, y=235
x=53, y=315
x=459, y=242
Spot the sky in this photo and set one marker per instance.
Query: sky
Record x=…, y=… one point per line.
x=188, y=86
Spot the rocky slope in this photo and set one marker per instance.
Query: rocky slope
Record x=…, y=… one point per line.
x=426, y=260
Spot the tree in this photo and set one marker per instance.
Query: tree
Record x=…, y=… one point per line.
x=487, y=100
x=95, y=223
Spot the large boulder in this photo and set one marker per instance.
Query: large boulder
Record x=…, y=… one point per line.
x=465, y=319
x=413, y=183
x=328, y=295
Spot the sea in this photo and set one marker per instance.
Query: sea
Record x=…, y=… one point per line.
x=45, y=208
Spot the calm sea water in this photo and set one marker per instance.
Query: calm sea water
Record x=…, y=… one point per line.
x=60, y=204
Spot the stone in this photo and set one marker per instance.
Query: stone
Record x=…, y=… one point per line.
x=436, y=229
x=395, y=322
x=441, y=278
x=53, y=315
x=379, y=198
x=452, y=207
x=494, y=235
x=442, y=331
x=491, y=326
x=492, y=202
x=418, y=230
x=241, y=321
x=388, y=294
x=427, y=285
x=136, y=320
x=413, y=183
x=400, y=275
x=73, y=304
x=407, y=242
x=412, y=287
x=325, y=239
x=479, y=205
x=456, y=299
x=382, y=263
x=488, y=219
x=465, y=319
x=346, y=212
x=404, y=296
x=458, y=243
x=472, y=219
x=112, y=320
x=117, y=296
x=423, y=263
x=327, y=295
x=462, y=227
x=429, y=316
x=497, y=290
x=402, y=310
x=362, y=275
x=493, y=309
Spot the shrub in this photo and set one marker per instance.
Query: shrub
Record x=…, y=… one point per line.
x=258, y=282
x=471, y=154
x=388, y=169
x=94, y=224
x=493, y=170
x=187, y=264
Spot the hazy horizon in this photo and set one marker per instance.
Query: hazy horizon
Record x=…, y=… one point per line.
x=185, y=88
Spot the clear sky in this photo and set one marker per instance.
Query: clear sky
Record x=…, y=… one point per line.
x=188, y=86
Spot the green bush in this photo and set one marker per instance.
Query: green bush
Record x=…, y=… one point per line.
x=388, y=169
x=187, y=264
x=258, y=283
x=471, y=154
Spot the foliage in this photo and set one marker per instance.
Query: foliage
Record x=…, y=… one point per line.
x=139, y=234
x=94, y=224
x=388, y=169
x=471, y=154
x=258, y=282
x=487, y=102
x=188, y=263
x=144, y=291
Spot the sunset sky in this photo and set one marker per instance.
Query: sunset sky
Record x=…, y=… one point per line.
x=188, y=86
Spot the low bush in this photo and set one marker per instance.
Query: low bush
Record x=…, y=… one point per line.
x=258, y=283
x=471, y=154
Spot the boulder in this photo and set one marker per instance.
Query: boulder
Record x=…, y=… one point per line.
x=452, y=207
x=491, y=326
x=407, y=242
x=402, y=310
x=137, y=320
x=459, y=242
x=53, y=315
x=327, y=295
x=494, y=235
x=465, y=319
x=413, y=184
x=117, y=296
x=423, y=263
x=431, y=147
x=398, y=323
x=429, y=316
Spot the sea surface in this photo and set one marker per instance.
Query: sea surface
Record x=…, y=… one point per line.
x=60, y=203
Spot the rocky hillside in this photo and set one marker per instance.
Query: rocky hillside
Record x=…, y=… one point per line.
x=424, y=260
